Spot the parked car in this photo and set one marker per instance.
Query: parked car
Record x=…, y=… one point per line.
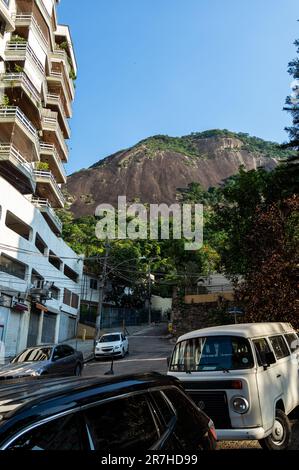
x=245, y=377
x=59, y=359
x=112, y=344
x=127, y=414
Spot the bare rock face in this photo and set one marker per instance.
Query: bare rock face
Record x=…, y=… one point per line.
x=155, y=169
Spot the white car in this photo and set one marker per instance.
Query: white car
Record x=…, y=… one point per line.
x=112, y=344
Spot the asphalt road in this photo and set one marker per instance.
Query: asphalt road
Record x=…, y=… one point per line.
x=149, y=350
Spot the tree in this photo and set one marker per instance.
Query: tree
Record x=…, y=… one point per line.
x=270, y=286
x=292, y=103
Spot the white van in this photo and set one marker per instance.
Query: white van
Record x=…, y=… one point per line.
x=245, y=377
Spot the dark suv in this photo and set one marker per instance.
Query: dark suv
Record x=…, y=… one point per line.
x=133, y=413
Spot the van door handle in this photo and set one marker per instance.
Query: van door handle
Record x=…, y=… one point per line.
x=278, y=376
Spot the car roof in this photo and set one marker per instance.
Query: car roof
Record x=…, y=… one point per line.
x=27, y=400
x=246, y=330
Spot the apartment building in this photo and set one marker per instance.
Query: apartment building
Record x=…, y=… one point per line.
x=40, y=276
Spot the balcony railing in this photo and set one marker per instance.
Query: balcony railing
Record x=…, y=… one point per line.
x=50, y=148
x=44, y=205
x=22, y=49
x=57, y=101
x=7, y=14
x=10, y=149
x=51, y=122
x=25, y=18
x=11, y=112
x=21, y=77
x=47, y=176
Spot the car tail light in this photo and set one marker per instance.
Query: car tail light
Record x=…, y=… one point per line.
x=212, y=429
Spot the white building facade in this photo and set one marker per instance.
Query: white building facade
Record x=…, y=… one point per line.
x=40, y=276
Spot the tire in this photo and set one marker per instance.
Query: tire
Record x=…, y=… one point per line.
x=123, y=353
x=78, y=370
x=280, y=438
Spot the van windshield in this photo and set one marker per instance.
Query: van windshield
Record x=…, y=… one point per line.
x=212, y=353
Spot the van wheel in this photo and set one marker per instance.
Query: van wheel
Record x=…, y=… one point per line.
x=281, y=434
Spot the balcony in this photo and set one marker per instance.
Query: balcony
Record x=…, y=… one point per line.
x=56, y=101
x=50, y=126
x=21, y=51
x=28, y=20
x=21, y=80
x=57, y=79
x=50, y=155
x=49, y=214
x=12, y=116
x=7, y=15
x=59, y=56
x=16, y=170
x=47, y=187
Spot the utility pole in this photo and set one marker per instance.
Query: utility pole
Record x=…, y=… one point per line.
x=102, y=282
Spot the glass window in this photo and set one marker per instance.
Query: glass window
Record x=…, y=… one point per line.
x=67, y=350
x=279, y=346
x=163, y=409
x=293, y=342
x=110, y=338
x=212, y=353
x=122, y=425
x=262, y=348
x=191, y=425
x=60, y=434
x=59, y=353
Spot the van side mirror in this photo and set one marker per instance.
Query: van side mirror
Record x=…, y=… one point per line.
x=268, y=359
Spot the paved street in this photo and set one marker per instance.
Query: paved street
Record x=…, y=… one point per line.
x=149, y=350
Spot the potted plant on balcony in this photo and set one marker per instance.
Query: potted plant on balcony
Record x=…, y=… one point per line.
x=16, y=39
x=42, y=166
x=5, y=101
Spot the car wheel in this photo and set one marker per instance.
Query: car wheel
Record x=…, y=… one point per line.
x=123, y=353
x=78, y=370
x=281, y=434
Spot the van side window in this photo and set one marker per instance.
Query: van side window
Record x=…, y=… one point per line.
x=293, y=342
x=262, y=348
x=279, y=345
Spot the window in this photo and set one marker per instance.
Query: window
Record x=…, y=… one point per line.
x=212, y=353
x=122, y=425
x=59, y=353
x=187, y=421
x=164, y=410
x=72, y=275
x=292, y=341
x=279, y=346
x=93, y=284
x=70, y=299
x=67, y=350
x=33, y=355
x=75, y=301
x=40, y=244
x=60, y=434
x=12, y=267
x=54, y=260
x=55, y=293
x=262, y=349
x=17, y=226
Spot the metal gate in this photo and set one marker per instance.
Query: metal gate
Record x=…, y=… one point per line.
x=48, y=332
x=67, y=328
x=33, y=329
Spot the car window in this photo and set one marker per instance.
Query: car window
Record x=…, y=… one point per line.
x=293, y=342
x=191, y=424
x=280, y=348
x=33, y=355
x=67, y=350
x=60, y=434
x=262, y=348
x=124, y=424
x=59, y=353
x=163, y=409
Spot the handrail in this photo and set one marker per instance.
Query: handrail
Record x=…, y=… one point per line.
x=39, y=202
x=49, y=175
x=11, y=111
x=31, y=17
x=23, y=77
x=11, y=149
x=51, y=148
x=25, y=47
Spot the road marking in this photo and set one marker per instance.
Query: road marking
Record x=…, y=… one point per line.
x=157, y=359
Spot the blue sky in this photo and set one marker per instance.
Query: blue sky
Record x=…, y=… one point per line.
x=172, y=67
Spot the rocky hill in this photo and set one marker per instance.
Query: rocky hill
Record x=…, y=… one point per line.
x=156, y=168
